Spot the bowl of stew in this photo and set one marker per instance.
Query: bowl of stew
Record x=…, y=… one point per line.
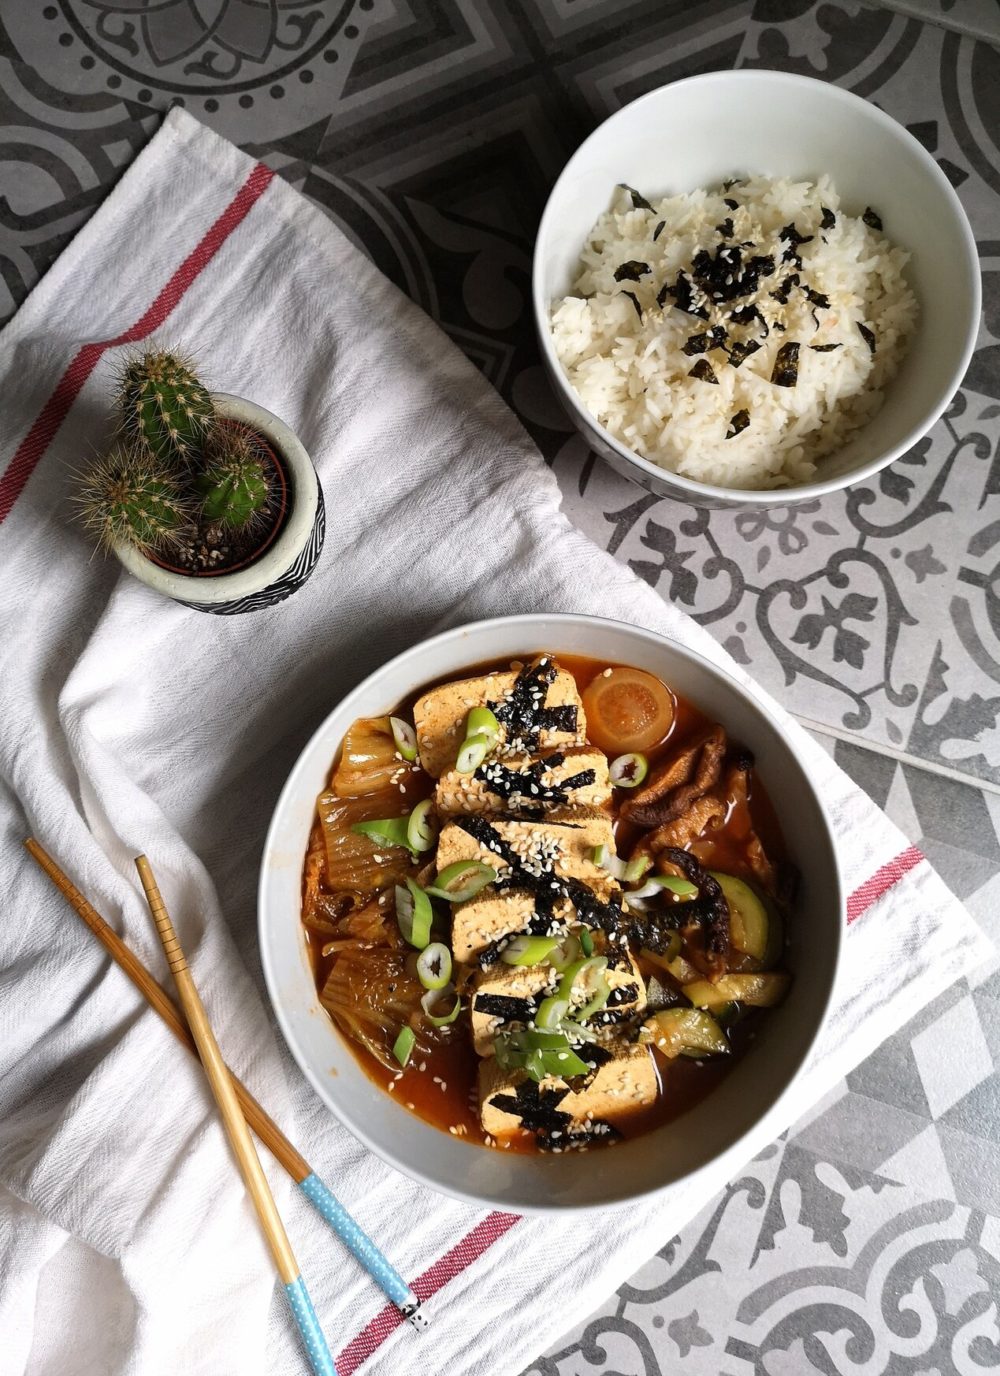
x=544, y=888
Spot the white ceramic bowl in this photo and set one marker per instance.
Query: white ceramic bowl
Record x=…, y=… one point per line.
x=696, y=133
x=752, y=1092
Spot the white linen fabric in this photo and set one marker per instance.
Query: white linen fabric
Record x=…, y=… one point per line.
x=131, y=724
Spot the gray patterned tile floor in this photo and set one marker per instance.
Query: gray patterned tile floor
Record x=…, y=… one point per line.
x=868, y=1240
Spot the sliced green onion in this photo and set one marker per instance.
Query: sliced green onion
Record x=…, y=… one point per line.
x=420, y=832
x=539, y=1053
x=592, y=965
x=462, y=880
x=564, y=1063
x=551, y=1012
x=586, y=941
x=628, y=771
x=566, y=953
x=534, y=1064
x=635, y=869
x=405, y=737
x=482, y=722
x=683, y=888
x=402, y=1047
x=434, y=965
x=430, y=999
x=528, y=950
x=602, y=992
x=414, y=914
x=474, y=750
x=391, y=830
x=656, y=883
x=605, y=858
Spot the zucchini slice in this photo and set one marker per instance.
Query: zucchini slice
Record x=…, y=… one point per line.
x=760, y=991
x=685, y=1032
x=754, y=926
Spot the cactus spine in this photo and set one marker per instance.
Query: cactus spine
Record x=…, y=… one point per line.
x=233, y=485
x=163, y=404
x=126, y=498
x=182, y=479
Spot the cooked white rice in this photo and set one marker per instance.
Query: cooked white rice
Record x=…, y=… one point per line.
x=626, y=357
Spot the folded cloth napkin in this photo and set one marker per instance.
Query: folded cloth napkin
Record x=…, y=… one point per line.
x=132, y=723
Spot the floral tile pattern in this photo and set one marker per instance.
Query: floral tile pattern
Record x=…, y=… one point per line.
x=868, y=1241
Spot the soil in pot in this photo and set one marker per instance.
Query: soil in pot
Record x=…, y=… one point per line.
x=210, y=549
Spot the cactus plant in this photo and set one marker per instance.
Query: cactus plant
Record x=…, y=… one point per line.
x=184, y=480
x=127, y=498
x=232, y=485
x=163, y=404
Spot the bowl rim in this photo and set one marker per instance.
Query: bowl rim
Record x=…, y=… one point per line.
x=704, y=493
x=324, y=1086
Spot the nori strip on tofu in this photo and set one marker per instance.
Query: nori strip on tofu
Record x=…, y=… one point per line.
x=786, y=365
x=714, y=338
x=537, y=1108
x=872, y=219
x=631, y=271
x=739, y=353
x=817, y=298
x=867, y=335
x=635, y=302
x=782, y=292
x=504, y=1006
x=527, y=783
x=829, y=220
x=704, y=372
x=725, y=229
x=824, y=348
x=737, y=424
x=658, y=230
x=638, y=202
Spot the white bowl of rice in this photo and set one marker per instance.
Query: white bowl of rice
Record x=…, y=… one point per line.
x=753, y=288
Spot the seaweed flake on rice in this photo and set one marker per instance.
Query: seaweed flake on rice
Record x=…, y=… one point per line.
x=787, y=293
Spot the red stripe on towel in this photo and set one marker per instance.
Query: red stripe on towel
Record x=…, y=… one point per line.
x=54, y=412
x=446, y=1268
x=474, y=1244
x=881, y=882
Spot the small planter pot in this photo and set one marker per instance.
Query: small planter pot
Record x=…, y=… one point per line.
x=288, y=555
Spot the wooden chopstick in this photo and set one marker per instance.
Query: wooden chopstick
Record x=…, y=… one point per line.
x=323, y=1199
x=235, y=1124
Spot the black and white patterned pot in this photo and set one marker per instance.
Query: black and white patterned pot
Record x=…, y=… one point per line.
x=285, y=565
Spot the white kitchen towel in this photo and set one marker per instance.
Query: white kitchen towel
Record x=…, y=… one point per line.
x=131, y=723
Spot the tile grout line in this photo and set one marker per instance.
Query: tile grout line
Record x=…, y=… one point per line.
x=937, y=21
x=900, y=756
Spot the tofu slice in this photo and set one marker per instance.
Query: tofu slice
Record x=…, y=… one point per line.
x=507, y=994
x=483, y=920
x=509, y=1099
x=561, y=846
x=440, y=716
x=582, y=768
